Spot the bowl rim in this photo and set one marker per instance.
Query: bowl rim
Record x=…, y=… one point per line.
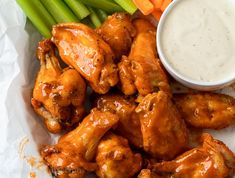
x=174, y=73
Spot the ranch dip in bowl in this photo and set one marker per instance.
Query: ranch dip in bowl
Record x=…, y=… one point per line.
x=196, y=42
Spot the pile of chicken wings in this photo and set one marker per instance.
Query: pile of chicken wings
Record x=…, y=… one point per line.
x=135, y=126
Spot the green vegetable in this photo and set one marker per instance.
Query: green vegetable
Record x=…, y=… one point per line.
x=127, y=5
x=94, y=18
x=78, y=8
x=105, y=5
x=38, y=15
x=59, y=10
x=88, y=22
x=102, y=14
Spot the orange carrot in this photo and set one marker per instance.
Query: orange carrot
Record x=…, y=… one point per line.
x=157, y=3
x=145, y=6
x=157, y=13
x=165, y=4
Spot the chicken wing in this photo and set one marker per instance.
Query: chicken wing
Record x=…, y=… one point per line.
x=141, y=70
x=211, y=159
x=79, y=46
x=58, y=95
x=129, y=123
x=164, y=132
x=206, y=110
x=72, y=154
x=115, y=158
x=118, y=32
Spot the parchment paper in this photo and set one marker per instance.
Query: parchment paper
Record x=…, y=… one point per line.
x=21, y=131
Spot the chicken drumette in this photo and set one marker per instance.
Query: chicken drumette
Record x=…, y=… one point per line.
x=141, y=71
x=129, y=123
x=211, y=159
x=82, y=48
x=164, y=132
x=71, y=156
x=118, y=32
x=206, y=110
x=58, y=95
x=115, y=158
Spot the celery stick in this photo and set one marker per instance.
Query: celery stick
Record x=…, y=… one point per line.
x=38, y=15
x=105, y=5
x=45, y=15
x=78, y=8
x=102, y=14
x=94, y=18
x=127, y=5
x=59, y=10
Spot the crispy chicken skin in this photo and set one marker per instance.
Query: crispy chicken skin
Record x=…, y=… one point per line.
x=206, y=110
x=58, y=95
x=141, y=70
x=72, y=154
x=115, y=159
x=211, y=159
x=143, y=26
x=147, y=173
x=118, y=31
x=129, y=123
x=164, y=132
x=82, y=48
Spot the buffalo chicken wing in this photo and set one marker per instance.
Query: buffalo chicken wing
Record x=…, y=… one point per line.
x=129, y=123
x=206, y=110
x=164, y=132
x=115, y=159
x=58, y=95
x=141, y=70
x=80, y=47
x=72, y=154
x=211, y=159
x=118, y=31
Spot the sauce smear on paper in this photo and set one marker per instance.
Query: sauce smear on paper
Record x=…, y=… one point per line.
x=32, y=175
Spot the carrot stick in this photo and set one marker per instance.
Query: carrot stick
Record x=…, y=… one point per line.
x=165, y=4
x=157, y=13
x=157, y=3
x=145, y=6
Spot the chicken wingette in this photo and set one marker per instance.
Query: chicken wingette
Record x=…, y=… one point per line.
x=141, y=71
x=82, y=48
x=206, y=110
x=72, y=155
x=115, y=159
x=58, y=95
x=211, y=159
x=164, y=132
x=118, y=31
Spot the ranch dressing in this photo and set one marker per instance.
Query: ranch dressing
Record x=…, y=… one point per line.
x=198, y=39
